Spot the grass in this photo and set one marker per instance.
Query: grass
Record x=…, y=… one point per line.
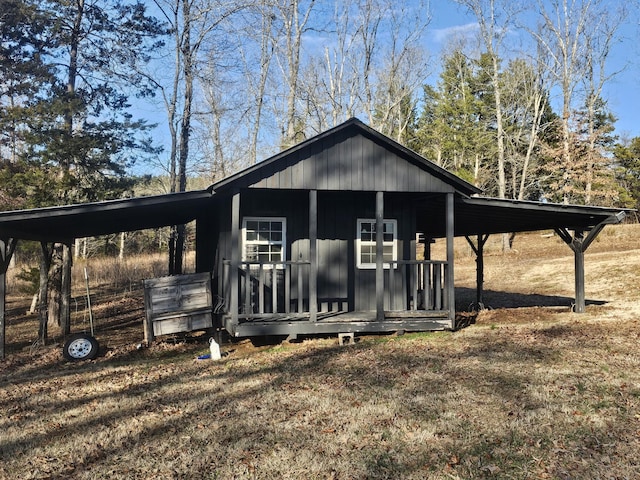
x=525, y=392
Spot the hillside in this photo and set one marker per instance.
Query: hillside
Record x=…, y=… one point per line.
x=527, y=390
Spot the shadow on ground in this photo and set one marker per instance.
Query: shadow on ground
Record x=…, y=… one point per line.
x=466, y=300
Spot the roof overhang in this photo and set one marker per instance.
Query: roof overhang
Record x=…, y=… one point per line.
x=65, y=223
x=482, y=215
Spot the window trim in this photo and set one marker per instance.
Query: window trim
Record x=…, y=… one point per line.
x=360, y=243
x=282, y=243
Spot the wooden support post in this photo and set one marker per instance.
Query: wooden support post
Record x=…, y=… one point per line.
x=578, y=256
x=65, y=291
x=449, y=285
x=379, y=256
x=7, y=247
x=235, y=256
x=478, y=249
x=579, y=244
x=313, y=255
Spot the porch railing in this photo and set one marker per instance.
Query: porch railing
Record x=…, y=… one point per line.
x=269, y=288
x=422, y=283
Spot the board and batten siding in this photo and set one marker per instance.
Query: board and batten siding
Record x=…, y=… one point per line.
x=348, y=163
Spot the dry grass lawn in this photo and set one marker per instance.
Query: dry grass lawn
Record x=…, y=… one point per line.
x=528, y=391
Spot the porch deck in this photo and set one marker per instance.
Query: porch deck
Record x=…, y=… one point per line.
x=337, y=322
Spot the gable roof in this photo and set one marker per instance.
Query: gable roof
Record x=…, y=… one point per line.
x=350, y=156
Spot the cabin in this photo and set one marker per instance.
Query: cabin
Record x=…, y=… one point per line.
x=323, y=237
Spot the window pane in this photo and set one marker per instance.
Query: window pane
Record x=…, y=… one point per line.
x=387, y=254
x=276, y=236
x=387, y=237
x=264, y=226
x=251, y=236
x=251, y=225
x=276, y=226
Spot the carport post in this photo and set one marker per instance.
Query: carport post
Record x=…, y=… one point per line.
x=479, y=251
x=7, y=247
x=579, y=244
x=578, y=256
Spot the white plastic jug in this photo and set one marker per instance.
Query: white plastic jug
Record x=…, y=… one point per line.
x=215, y=349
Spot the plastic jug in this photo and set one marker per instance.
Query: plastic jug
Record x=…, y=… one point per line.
x=215, y=349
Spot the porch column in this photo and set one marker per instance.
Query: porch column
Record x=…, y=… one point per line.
x=7, y=247
x=235, y=256
x=379, y=256
x=313, y=255
x=451, y=299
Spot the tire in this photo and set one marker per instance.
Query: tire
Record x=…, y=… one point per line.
x=80, y=346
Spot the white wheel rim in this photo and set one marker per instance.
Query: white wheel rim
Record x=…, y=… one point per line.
x=79, y=348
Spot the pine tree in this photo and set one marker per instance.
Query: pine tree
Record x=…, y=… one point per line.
x=627, y=170
x=452, y=128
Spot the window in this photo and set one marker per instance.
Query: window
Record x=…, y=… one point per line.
x=264, y=239
x=366, y=242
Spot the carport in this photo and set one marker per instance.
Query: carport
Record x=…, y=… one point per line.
x=473, y=217
x=64, y=224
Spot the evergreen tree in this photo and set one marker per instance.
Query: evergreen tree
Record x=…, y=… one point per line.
x=24, y=82
x=627, y=171
x=453, y=128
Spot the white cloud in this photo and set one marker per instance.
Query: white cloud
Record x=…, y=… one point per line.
x=442, y=35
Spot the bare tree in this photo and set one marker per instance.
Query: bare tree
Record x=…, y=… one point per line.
x=494, y=18
x=403, y=68
x=293, y=19
x=191, y=21
x=257, y=81
x=569, y=31
x=598, y=49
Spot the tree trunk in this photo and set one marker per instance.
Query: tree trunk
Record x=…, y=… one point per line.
x=43, y=315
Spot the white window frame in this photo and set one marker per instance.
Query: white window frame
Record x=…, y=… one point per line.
x=282, y=242
x=360, y=243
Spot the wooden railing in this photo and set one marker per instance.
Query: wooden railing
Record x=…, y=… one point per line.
x=424, y=285
x=269, y=288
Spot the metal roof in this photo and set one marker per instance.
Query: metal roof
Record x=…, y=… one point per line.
x=484, y=215
x=64, y=223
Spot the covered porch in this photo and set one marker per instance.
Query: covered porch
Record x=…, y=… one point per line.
x=261, y=297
